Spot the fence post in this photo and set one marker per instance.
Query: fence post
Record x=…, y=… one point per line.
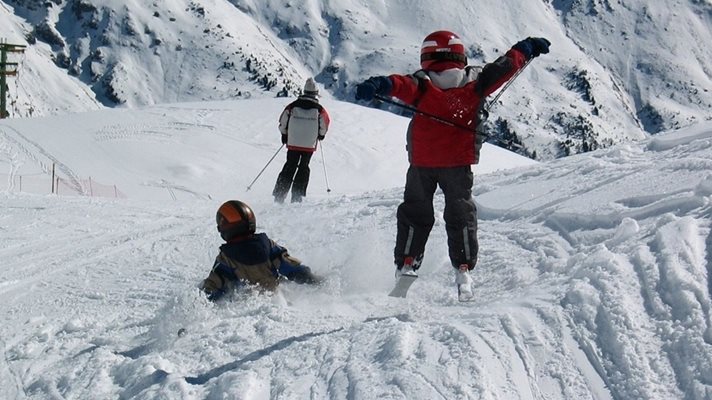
x=52, y=178
x=91, y=191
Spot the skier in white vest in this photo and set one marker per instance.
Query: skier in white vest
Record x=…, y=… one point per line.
x=302, y=123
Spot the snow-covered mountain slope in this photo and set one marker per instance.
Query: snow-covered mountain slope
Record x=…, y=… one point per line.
x=593, y=279
x=40, y=86
x=228, y=142
x=617, y=70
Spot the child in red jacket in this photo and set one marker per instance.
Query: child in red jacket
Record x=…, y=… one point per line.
x=442, y=143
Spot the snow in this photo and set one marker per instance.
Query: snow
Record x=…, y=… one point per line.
x=593, y=279
x=617, y=71
x=594, y=273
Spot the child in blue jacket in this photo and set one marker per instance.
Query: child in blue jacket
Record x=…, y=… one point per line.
x=248, y=258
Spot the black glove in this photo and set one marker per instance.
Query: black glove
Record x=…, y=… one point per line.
x=320, y=137
x=481, y=134
x=480, y=138
x=284, y=139
x=374, y=85
x=533, y=47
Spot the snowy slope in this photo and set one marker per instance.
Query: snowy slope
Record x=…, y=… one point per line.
x=228, y=143
x=593, y=279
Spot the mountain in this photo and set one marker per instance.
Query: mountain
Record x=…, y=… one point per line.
x=617, y=71
x=593, y=276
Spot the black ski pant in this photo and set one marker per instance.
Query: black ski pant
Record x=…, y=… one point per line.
x=416, y=215
x=297, y=162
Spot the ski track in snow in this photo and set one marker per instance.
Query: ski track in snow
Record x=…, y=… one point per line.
x=584, y=291
x=349, y=344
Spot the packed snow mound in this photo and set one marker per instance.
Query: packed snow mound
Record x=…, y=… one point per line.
x=593, y=279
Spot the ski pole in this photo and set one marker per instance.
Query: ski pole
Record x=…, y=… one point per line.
x=416, y=111
x=323, y=162
x=265, y=167
x=506, y=85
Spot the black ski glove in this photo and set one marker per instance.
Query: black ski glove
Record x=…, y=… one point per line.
x=374, y=85
x=533, y=47
x=284, y=139
x=320, y=137
x=481, y=134
x=480, y=138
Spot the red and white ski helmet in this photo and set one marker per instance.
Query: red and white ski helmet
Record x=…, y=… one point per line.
x=235, y=218
x=442, y=46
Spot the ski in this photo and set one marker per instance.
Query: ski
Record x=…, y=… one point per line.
x=464, y=283
x=403, y=284
x=465, y=295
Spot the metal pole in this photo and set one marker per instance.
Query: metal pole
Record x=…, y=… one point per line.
x=323, y=162
x=7, y=69
x=416, y=111
x=3, y=81
x=265, y=167
x=490, y=103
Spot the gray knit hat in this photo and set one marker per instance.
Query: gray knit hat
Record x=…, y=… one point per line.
x=310, y=88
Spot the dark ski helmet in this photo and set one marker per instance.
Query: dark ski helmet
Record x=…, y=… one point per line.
x=442, y=46
x=235, y=218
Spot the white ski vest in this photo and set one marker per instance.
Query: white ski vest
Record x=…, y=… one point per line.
x=303, y=127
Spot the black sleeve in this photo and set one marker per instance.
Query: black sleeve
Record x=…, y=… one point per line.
x=492, y=72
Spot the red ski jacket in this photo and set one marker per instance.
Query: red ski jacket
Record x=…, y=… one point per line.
x=432, y=143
